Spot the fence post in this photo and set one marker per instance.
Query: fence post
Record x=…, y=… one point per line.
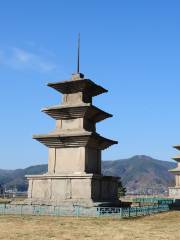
x=129, y=211
x=77, y=211
x=34, y=210
x=98, y=211
x=4, y=209
x=121, y=213
x=21, y=209
x=59, y=212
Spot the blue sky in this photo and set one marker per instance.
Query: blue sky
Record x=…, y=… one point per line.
x=130, y=47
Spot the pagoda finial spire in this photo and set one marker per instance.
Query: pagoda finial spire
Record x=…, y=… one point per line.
x=78, y=57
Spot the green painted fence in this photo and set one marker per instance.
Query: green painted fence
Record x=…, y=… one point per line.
x=154, y=200
x=11, y=209
x=132, y=211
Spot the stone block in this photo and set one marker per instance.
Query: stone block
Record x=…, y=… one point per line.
x=70, y=160
x=55, y=189
x=174, y=192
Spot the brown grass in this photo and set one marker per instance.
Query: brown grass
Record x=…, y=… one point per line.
x=5, y=200
x=164, y=226
x=17, y=200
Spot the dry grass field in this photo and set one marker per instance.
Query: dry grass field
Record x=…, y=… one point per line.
x=164, y=226
x=4, y=200
x=16, y=199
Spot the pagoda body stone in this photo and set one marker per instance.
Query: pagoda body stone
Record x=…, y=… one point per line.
x=175, y=191
x=74, y=163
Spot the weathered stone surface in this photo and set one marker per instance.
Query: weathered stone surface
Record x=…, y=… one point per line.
x=84, y=86
x=72, y=111
x=80, y=160
x=175, y=191
x=59, y=188
x=70, y=160
x=64, y=139
x=74, y=163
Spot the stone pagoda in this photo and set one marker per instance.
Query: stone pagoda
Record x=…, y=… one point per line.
x=175, y=191
x=74, y=163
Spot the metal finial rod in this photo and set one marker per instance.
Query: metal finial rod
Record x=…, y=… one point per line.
x=78, y=58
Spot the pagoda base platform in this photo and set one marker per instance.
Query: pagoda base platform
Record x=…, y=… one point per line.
x=72, y=189
x=174, y=192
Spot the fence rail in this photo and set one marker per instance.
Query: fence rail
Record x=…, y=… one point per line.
x=154, y=200
x=132, y=211
x=11, y=209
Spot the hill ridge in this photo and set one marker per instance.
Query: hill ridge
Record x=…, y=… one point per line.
x=137, y=173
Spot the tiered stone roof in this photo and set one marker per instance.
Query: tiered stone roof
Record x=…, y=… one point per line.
x=78, y=85
x=177, y=159
x=83, y=108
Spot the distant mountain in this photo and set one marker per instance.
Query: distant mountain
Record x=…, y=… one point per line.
x=137, y=173
x=141, y=172
x=16, y=178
